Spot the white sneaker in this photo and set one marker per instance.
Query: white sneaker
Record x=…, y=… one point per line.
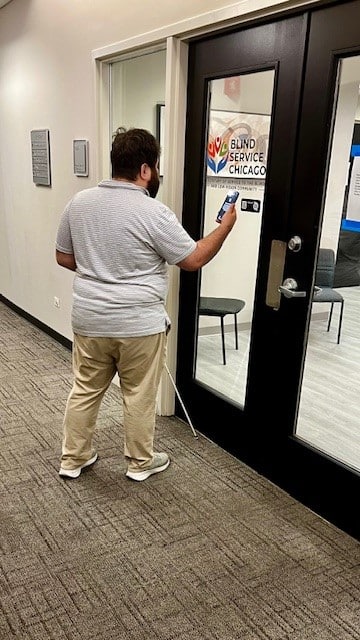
x=74, y=473
x=159, y=463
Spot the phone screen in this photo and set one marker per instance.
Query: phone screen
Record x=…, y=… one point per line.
x=231, y=197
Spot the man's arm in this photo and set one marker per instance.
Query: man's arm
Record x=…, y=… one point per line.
x=208, y=247
x=66, y=260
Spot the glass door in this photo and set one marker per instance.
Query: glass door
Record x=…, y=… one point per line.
x=241, y=134
x=327, y=418
x=332, y=364
x=274, y=380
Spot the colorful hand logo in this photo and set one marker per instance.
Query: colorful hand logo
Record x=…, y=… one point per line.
x=217, y=154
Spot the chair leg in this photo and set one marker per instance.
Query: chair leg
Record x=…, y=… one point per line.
x=223, y=339
x=330, y=316
x=236, y=333
x=340, y=320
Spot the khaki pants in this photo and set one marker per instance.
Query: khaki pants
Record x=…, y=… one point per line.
x=139, y=363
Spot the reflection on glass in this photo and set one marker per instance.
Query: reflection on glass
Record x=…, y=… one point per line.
x=134, y=98
x=239, y=119
x=328, y=415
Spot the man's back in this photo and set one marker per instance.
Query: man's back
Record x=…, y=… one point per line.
x=121, y=240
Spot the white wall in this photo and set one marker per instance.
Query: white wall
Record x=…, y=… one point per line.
x=47, y=82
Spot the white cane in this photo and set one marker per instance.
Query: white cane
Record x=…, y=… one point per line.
x=181, y=402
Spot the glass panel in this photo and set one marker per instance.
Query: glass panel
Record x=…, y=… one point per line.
x=329, y=403
x=238, y=133
x=137, y=88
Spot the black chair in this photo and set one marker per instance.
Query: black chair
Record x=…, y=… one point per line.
x=324, y=280
x=221, y=307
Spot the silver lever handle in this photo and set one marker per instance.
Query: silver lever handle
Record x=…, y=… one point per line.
x=289, y=289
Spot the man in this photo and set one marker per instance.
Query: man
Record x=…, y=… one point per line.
x=119, y=240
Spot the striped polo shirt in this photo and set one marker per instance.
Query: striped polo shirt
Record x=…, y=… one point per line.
x=123, y=241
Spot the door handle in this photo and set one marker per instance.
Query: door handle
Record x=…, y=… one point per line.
x=275, y=273
x=289, y=289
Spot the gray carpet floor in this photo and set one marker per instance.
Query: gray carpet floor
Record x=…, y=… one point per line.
x=208, y=550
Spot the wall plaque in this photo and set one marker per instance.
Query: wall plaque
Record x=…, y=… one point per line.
x=81, y=155
x=40, y=153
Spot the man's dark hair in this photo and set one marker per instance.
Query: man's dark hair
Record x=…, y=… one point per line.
x=130, y=149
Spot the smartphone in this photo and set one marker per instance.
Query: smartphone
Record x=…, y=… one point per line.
x=231, y=197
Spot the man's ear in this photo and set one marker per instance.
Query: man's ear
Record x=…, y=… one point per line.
x=145, y=171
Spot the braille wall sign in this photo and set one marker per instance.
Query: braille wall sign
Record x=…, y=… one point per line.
x=40, y=153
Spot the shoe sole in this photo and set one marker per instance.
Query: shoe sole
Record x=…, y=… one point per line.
x=74, y=473
x=143, y=475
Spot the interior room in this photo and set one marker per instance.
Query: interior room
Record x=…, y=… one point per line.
x=255, y=541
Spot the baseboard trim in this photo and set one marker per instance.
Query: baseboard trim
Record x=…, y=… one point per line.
x=229, y=327
x=37, y=323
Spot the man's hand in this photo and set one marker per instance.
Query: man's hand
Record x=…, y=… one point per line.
x=208, y=247
x=229, y=217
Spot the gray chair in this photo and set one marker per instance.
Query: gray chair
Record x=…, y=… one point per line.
x=221, y=307
x=324, y=280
